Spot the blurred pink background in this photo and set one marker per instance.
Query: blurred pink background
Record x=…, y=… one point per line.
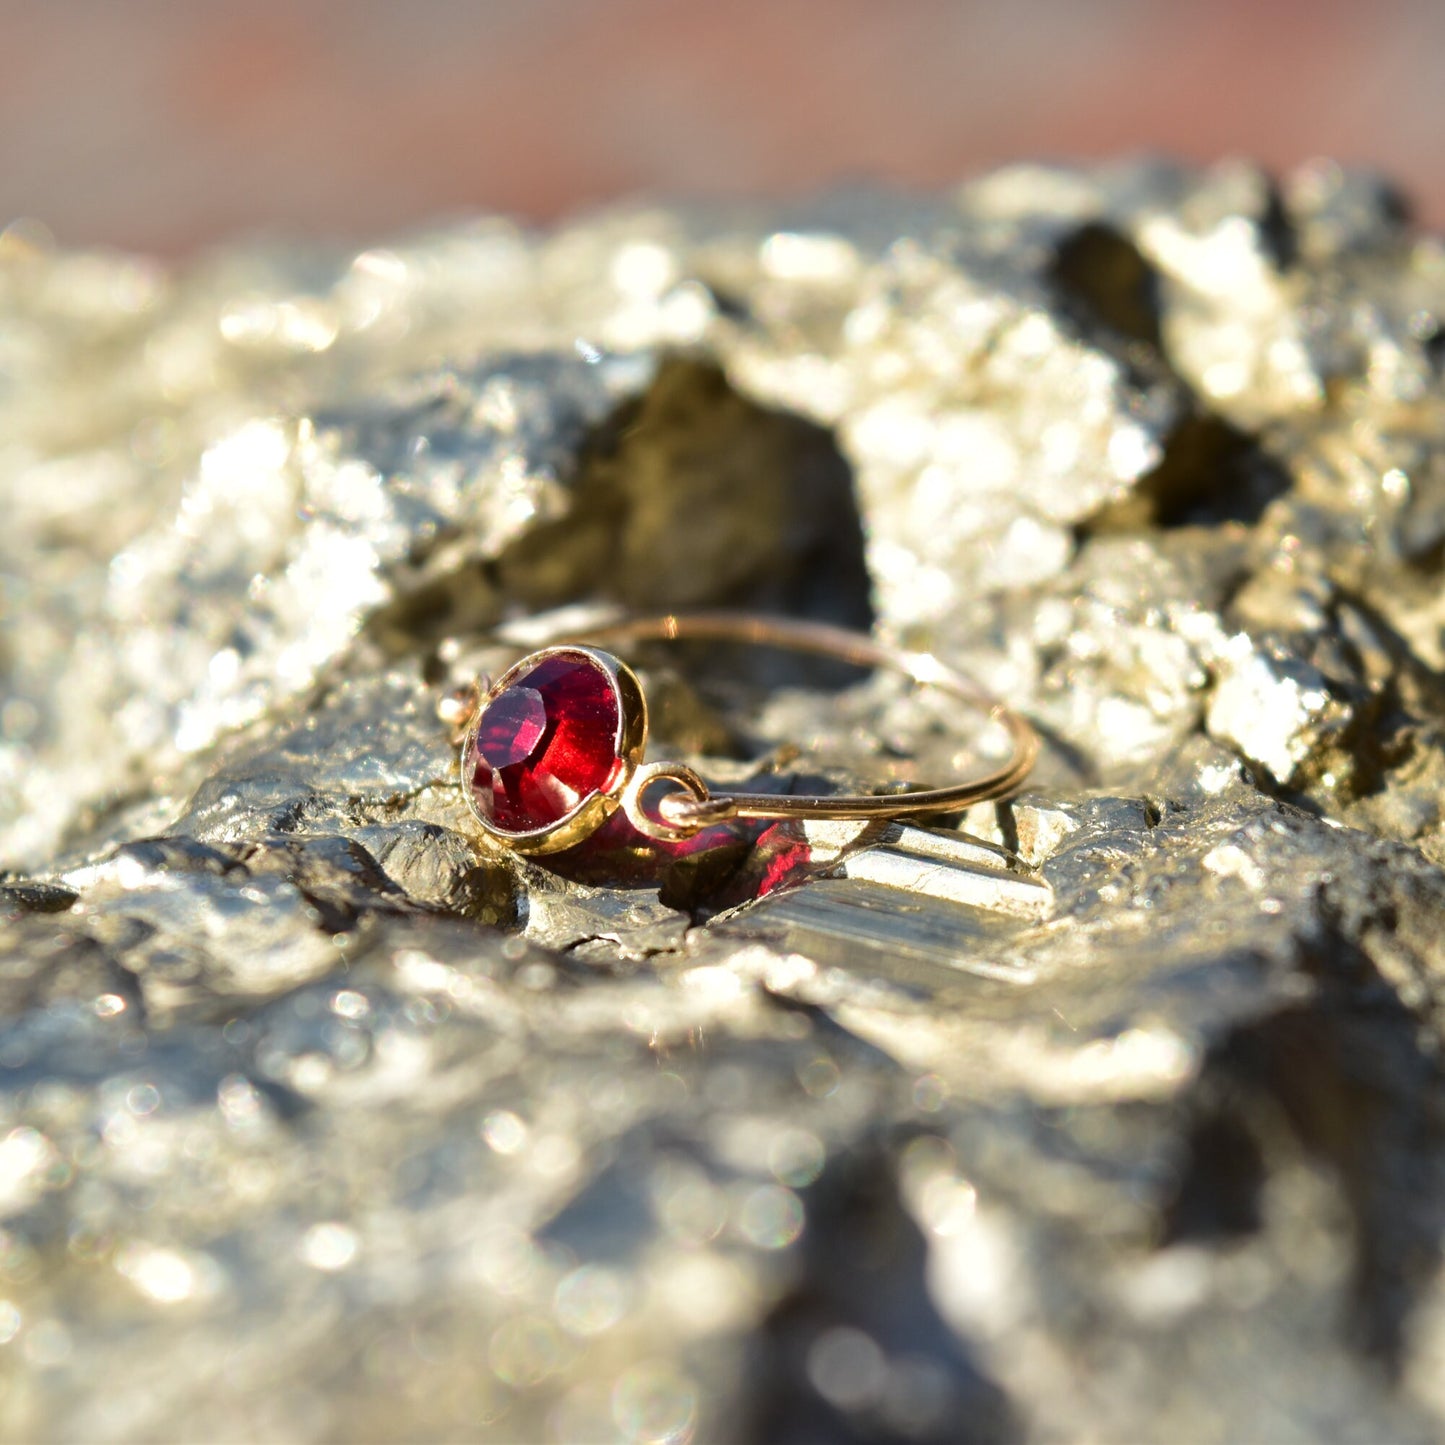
x=168, y=124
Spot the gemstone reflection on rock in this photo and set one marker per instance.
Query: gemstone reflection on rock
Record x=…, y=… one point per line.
x=544, y=744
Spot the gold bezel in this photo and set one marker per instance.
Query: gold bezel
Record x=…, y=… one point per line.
x=596, y=807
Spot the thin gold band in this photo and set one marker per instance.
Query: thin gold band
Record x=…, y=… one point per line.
x=696, y=806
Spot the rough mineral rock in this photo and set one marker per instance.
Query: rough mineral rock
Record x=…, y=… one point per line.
x=1116, y=1116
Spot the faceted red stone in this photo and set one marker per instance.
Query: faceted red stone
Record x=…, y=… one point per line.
x=544, y=744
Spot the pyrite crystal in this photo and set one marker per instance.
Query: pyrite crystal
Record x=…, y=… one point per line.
x=1113, y=1114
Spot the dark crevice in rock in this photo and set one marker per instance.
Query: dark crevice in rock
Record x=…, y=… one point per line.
x=698, y=496
x=1343, y=1080
x=729, y=303
x=1104, y=278
x=1432, y=342
x=467, y=600
x=18, y=896
x=1007, y=823
x=690, y=495
x=1219, y=1191
x=1368, y=669
x=862, y=1288
x=1211, y=474
x=1277, y=230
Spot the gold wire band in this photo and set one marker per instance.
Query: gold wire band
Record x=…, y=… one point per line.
x=696, y=806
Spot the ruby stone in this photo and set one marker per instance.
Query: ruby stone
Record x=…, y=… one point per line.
x=544, y=743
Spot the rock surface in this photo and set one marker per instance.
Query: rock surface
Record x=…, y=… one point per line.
x=1120, y=1119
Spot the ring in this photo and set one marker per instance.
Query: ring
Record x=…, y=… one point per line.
x=555, y=745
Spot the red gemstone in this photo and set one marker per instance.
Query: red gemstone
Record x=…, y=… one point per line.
x=544, y=743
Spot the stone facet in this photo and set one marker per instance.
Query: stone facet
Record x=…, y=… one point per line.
x=544, y=743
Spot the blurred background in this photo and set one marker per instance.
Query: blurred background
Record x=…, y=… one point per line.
x=168, y=124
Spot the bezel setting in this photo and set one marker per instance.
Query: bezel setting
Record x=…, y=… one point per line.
x=629, y=741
